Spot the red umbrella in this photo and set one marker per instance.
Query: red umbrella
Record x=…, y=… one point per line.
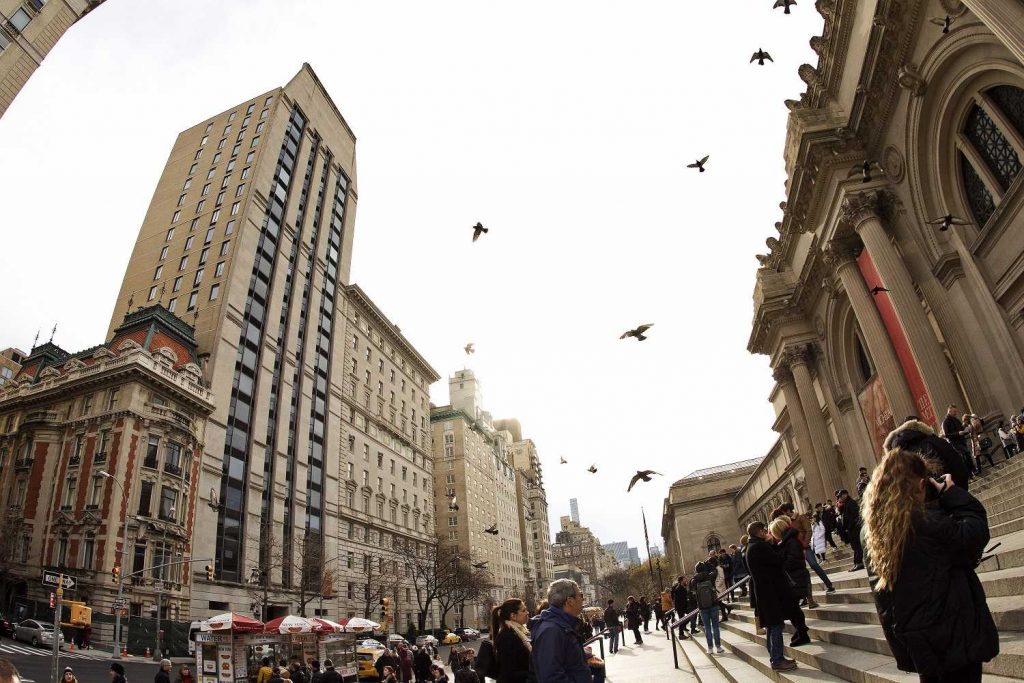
x=289, y=624
x=229, y=621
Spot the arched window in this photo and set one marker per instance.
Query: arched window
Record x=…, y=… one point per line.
x=714, y=543
x=991, y=147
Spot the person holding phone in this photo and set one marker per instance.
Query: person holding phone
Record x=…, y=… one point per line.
x=920, y=558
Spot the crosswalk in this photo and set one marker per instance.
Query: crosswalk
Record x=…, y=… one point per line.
x=9, y=647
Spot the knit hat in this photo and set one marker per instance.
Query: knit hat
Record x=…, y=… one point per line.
x=117, y=668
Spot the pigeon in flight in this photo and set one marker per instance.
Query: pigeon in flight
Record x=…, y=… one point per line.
x=760, y=56
x=592, y=469
x=452, y=505
x=492, y=529
x=638, y=332
x=562, y=460
x=478, y=229
x=876, y=290
x=945, y=22
x=699, y=164
x=468, y=348
x=479, y=565
x=947, y=221
x=641, y=474
x=784, y=4
x=864, y=170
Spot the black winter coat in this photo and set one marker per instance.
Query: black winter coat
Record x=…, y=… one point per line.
x=943, y=458
x=633, y=615
x=680, y=598
x=794, y=562
x=935, y=617
x=773, y=600
x=513, y=657
x=850, y=518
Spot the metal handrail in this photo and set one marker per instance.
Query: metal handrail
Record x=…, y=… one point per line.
x=691, y=614
x=599, y=637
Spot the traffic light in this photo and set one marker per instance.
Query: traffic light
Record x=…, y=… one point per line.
x=385, y=608
x=209, y=572
x=115, y=573
x=81, y=615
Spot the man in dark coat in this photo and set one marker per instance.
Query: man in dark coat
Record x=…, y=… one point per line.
x=331, y=674
x=773, y=598
x=849, y=513
x=941, y=454
x=611, y=620
x=954, y=432
x=680, y=599
x=557, y=649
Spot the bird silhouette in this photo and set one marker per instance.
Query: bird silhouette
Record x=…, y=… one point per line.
x=638, y=332
x=760, y=56
x=699, y=164
x=492, y=529
x=562, y=460
x=784, y=4
x=645, y=475
x=592, y=469
x=945, y=22
x=876, y=290
x=452, y=505
x=947, y=221
x=479, y=565
x=477, y=230
x=864, y=170
x=468, y=348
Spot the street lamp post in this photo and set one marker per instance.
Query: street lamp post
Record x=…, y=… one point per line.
x=116, y=654
x=158, y=651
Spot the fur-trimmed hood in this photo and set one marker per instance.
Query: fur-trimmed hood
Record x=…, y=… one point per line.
x=907, y=435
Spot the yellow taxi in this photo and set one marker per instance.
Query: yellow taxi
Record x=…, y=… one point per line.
x=450, y=639
x=366, y=658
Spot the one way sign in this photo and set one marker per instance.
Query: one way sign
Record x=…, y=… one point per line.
x=54, y=579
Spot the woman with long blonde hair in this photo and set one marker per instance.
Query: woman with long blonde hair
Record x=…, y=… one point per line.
x=920, y=559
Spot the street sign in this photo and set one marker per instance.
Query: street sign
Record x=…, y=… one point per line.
x=119, y=611
x=54, y=579
x=120, y=602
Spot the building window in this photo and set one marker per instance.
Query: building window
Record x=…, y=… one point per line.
x=249, y=157
x=198, y=277
x=170, y=235
x=200, y=205
x=163, y=253
x=88, y=551
x=219, y=269
x=152, y=294
x=192, y=301
x=145, y=498
x=177, y=284
x=206, y=190
x=202, y=256
x=245, y=172
x=214, y=216
x=168, y=501
x=209, y=174
x=234, y=208
x=152, y=452
x=192, y=170
x=220, y=198
x=62, y=548
x=214, y=292
x=198, y=154
x=189, y=241
x=183, y=263
x=992, y=148
x=97, y=491
x=69, y=492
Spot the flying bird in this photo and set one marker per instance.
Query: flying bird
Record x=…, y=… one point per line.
x=945, y=22
x=479, y=565
x=492, y=529
x=876, y=290
x=760, y=56
x=452, y=505
x=638, y=332
x=948, y=221
x=477, y=230
x=592, y=469
x=468, y=348
x=784, y=4
x=864, y=170
x=699, y=164
x=641, y=474
x=562, y=460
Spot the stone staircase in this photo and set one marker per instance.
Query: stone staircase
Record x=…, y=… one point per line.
x=846, y=639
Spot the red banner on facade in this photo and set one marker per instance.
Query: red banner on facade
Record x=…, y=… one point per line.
x=925, y=409
x=877, y=412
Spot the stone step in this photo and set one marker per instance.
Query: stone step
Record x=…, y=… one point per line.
x=997, y=583
x=707, y=671
x=755, y=656
x=830, y=658
x=1016, y=512
x=869, y=638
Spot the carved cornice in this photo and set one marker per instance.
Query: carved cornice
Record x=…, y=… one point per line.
x=948, y=269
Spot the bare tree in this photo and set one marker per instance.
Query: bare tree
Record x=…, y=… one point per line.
x=302, y=577
x=432, y=571
x=381, y=573
x=466, y=584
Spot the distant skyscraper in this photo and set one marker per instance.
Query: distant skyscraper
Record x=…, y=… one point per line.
x=634, y=556
x=574, y=510
x=620, y=550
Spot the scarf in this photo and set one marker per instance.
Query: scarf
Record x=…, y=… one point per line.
x=520, y=631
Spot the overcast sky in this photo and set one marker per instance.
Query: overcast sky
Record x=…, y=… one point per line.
x=563, y=126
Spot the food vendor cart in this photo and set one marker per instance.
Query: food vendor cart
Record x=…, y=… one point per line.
x=221, y=652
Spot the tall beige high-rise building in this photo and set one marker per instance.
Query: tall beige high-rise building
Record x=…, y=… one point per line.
x=472, y=462
x=28, y=31
x=248, y=237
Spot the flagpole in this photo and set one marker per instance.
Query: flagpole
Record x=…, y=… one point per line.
x=647, y=542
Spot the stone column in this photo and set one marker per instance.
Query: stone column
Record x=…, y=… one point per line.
x=1005, y=18
x=862, y=212
x=842, y=256
x=812, y=474
x=799, y=359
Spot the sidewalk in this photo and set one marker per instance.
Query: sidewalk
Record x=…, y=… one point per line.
x=651, y=661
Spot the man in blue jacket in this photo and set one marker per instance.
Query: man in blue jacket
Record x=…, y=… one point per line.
x=558, y=655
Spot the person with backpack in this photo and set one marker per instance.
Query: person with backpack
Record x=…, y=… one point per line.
x=611, y=621
x=645, y=613
x=703, y=587
x=680, y=599
x=633, y=619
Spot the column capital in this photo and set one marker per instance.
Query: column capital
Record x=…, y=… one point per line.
x=800, y=354
x=859, y=207
x=839, y=253
x=782, y=374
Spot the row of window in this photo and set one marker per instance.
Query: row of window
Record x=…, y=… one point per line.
x=990, y=149
x=18, y=20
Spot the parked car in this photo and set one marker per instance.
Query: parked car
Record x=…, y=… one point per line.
x=468, y=634
x=450, y=639
x=6, y=627
x=36, y=633
x=426, y=639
